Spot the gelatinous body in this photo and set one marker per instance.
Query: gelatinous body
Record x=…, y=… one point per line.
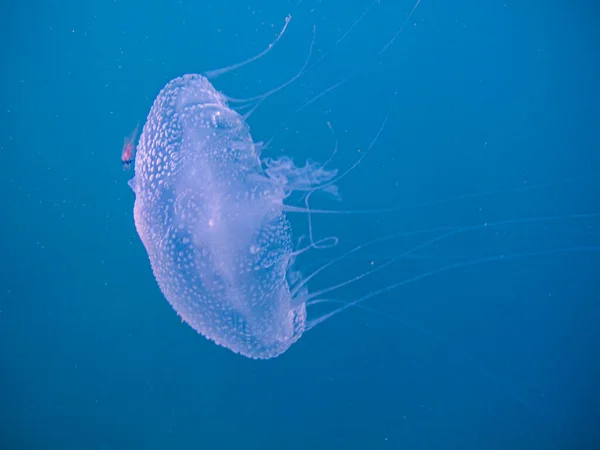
x=211, y=219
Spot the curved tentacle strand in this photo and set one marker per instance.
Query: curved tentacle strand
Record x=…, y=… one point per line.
x=211, y=74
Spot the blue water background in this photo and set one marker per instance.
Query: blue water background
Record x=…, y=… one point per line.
x=495, y=95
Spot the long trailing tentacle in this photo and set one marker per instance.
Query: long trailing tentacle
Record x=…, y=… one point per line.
x=452, y=231
x=217, y=72
x=458, y=265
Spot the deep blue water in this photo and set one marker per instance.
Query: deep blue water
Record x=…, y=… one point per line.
x=490, y=96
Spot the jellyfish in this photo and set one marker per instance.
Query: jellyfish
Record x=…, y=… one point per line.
x=213, y=214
